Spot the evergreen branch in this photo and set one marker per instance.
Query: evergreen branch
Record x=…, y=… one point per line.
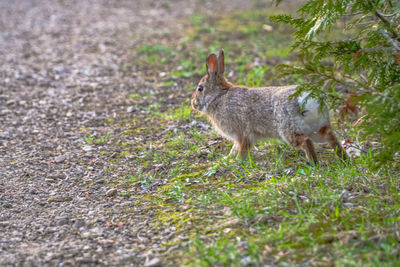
x=388, y=25
x=336, y=41
x=367, y=22
x=367, y=89
x=390, y=39
x=376, y=49
x=354, y=14
x=369, y=64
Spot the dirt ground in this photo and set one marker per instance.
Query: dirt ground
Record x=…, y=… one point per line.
x=61, y=73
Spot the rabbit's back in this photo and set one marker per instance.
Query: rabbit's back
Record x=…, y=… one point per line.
x=266, y=112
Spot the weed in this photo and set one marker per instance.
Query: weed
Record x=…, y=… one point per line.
x=182, y=113
x=176, y=192
x=99, y=140
x=168, y=83
x=154, y=49
x=155, y=54
x=131, y=179
x=141, y=178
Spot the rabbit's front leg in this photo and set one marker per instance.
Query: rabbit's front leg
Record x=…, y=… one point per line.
x=244, y=148
x=234, y=150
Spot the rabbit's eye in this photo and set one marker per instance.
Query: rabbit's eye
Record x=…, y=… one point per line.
x=200, y=88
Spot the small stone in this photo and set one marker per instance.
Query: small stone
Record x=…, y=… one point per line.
x=268, y=176
x=348, y=204
x=130, y=109
x=7, y=205
x=57, y=176
x=87, y=148
x=96, y=186
x=85, y=234
x=97, y=231
x=60, y=158
x=5, y=223
x=85, y=260
x=267, y=28
x=344, y=195
x=246, y=260
x=79, y=223
x=112, y=192
x=62, y=221
x=155, y=262
x=33, y=191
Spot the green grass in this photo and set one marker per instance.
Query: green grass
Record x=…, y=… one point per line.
x=273, y=209
x=92, y=139
x=247, y=37
x=155, y=54
x=302, y=216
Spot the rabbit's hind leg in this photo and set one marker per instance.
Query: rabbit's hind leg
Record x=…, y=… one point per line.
x=329, y=136
x=303, y=141
x=308, y=147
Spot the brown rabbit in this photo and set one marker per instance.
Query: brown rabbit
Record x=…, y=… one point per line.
x=245, y=115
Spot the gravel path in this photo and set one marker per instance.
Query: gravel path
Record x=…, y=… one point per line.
x=62, y=74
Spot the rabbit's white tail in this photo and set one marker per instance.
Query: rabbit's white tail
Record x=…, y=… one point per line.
x=313, y=116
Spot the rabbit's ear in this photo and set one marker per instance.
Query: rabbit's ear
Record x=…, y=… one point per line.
x=212, y=66
x=221, y=62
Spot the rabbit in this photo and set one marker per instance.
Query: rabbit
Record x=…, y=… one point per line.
x=245, y=115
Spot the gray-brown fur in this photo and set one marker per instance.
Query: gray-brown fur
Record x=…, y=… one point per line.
x=244, y=115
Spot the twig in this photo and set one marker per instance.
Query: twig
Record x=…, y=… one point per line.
x=354, y=14
x=388, y=25
x=363, y=88
x=212, y=143
x=382, y=17
x=376, y=49
x=391, y=40
x=389, y=15
x=338, y=41
x=349, y=78
x=367, y=22
x=365, y=80
x=358, y=148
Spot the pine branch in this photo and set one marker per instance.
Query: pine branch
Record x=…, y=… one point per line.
x=388, y=25
x=349, y=81
x=391, y=40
